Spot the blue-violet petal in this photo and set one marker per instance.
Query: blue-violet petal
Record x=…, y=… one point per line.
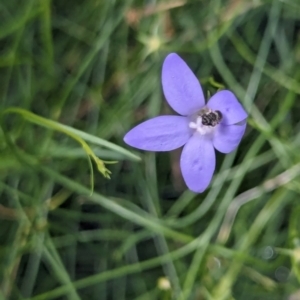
x=181, y=87
x=227, y=137
x=163, y=133
x=198, y=163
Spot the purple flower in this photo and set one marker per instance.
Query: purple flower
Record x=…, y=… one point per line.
x=219, y=124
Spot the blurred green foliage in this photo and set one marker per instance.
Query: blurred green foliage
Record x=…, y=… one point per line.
x=75, y=77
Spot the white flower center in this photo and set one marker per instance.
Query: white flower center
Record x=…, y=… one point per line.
x=205, y=121
x=199, y=127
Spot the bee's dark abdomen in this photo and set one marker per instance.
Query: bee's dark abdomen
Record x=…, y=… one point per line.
x=220, y=116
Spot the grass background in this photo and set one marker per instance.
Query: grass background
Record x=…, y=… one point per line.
x=75, y=77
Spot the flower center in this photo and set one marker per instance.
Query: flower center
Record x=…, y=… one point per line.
x=205, y=120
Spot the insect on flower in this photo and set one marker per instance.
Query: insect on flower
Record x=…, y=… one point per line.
x=200, y=128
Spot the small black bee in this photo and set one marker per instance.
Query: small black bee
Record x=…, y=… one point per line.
x=211, y=118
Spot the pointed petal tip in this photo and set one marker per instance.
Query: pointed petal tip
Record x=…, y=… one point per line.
x=197, y=191
x=126, y=138
x=171, y=56
x=129, y=139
